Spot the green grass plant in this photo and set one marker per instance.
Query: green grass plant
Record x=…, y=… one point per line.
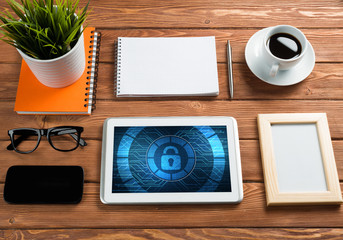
x=43, y=29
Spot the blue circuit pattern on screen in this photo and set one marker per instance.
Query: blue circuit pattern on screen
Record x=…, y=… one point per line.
x=171, y=159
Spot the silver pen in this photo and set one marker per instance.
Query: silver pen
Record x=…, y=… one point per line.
x=229, y=67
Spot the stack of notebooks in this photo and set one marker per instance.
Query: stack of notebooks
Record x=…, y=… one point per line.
x=155, y=67
x=78, y=98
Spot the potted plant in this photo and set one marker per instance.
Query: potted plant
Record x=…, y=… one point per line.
x=49, y=36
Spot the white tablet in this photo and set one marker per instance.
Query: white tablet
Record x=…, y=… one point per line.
x=170, y=160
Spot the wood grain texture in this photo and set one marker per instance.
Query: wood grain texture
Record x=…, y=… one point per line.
x=176, y=234
x=326, y=42
x=213, y=14
x=325, y=82
x=321, y=21
x=246, y=118
x=91, y=213
x=245, y=113
x=89, y=158
x=201, y=14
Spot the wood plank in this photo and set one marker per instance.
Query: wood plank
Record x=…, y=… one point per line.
x=326, y=42
x=9, y=81
x=10, y=119
x=244, y=111
x=91, y=213
x=325, y=82
x=168, y=234
x=320, y=20
x=213, y=14
x=89, y=158
x=204, y=14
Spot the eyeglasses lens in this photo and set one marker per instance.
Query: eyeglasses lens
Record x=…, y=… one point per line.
x=25, y=140
x=65, y=139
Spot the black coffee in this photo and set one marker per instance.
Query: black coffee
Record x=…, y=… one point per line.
x=284, y=45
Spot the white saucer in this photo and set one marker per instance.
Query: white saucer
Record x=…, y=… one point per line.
x=284, y=77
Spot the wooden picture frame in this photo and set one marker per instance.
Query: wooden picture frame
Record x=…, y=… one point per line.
x=292, y=159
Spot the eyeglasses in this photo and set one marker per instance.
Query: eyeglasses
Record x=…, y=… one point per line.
x=63, y=138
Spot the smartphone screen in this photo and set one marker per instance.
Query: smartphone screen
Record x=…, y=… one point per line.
x=44, y=184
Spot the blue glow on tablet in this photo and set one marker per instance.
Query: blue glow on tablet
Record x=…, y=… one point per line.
x=171, y=159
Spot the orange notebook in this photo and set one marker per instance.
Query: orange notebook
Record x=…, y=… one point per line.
x=78, y=98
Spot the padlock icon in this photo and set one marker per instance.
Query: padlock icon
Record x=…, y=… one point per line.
x=171, y=159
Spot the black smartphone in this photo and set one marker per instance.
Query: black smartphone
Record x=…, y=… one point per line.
x=44, y=184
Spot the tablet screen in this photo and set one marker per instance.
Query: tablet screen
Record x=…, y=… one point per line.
x=162, y=159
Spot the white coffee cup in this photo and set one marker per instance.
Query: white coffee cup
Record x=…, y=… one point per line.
x=276, y=63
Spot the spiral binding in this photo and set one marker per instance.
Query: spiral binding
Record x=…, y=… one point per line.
x=92, y=71
x=117, y=76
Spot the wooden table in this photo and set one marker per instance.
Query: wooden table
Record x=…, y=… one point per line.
x=233, y=20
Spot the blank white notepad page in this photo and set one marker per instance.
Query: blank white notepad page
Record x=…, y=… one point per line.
x=167, y=66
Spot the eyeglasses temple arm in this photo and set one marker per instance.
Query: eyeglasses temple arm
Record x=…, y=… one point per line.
x=82, y=142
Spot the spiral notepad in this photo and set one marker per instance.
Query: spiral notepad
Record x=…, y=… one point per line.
x=78, y=98
x=177, y=66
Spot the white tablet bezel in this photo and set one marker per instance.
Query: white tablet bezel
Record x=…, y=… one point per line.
x=106, y=195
